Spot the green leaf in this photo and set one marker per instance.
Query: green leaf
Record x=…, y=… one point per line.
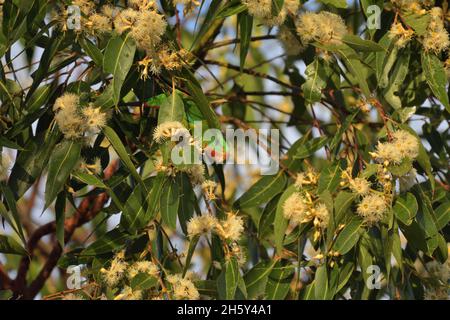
x=329, y=178
x=108, y=243
x=172, y=109
x=10, y=246
x=345, y=273
x=170, y=200
x=336, y=3
x=348, y=237
x=396, y=81
x=134, y=215
x=200, y=99
x=192, y=245
x=39, y=98
x=419, y=22
x=62, y=161
x=436, y=77
x=281, y=223
x=228, y=280
x=31, y=162
x=316, y=81
x=256, y=278
x=60, y=210
x=90, y=180
x=307, y=149
x=187, y=201
x=154, y=196
x=211, y=16
x=143, y=281
x=279, y=281
x=92, y=51
x=118, y=146
x=342, y=203
x=245, y=32
x=359, y=44
x=321, y=288
x=231, y=10
x=442, y=215
x=119, y=55
x=277, y=6
x=405, y=208
x=356, y=68
x=9, y=144
x=262, y=191
x=267, y=218
x=14, y=218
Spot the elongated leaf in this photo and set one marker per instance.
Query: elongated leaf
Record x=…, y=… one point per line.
x=192, y=245
x=39, y=98
x=329, y=178
x=256, y=278
x=392, y=92
x=143, y=281
x=262, y=191
x=10, y=246
x=307, y=149
x=12, y=217
x=108, y=243
x=321, y=287
x=348, y=237
x=30, y=163
x=228, y=280
x=171, y=109
x=442, y=215
x=92, y=51
x=117, y=144
x=245, y=28
x=315, y=81
x=359, y=44
x=337, y=3
x=119, y=55
x=436, y=77
x=170, y=200
x=62, y=161
x=200, y=99
x=60, y=213
x=279, y=281
x=405, y=208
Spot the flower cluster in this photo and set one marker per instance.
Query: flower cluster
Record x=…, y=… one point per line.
x=262, y=10
x=116, y=271
x=292, y=46
x=208, y=188
x=402, y=35
x=403, y=145
x=372, y=208
x=436, y=38
x=324, y=27
x=182, y=288
x=299, y=208
x=75, y=121
x=175, y=131
x=141, y=21
x=120, y=273
x=230, y=228
x=90, y=168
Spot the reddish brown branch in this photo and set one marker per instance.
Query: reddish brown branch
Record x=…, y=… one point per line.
x=86, y=211
x=5, y=281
